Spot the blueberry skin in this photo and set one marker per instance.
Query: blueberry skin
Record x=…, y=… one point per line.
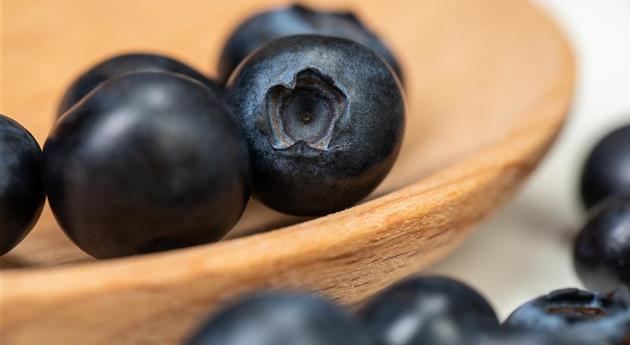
x=511, y=337
x=22, y=192
x=119, y=65
x=324, y=120
x=566, y=308
x=612, y=330
x=281, y=319
x=602, y=249
x=150, y=161
x=428, y=310
x=568, y=337
x=265, y=27
x=606, y=172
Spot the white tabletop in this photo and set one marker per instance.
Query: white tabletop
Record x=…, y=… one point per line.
x=525, y=249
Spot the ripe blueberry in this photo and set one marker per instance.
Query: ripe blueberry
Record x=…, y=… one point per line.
x=265, y=27
x=562, y=309
x=612, y=330
x=324, y=120
x=602, y=249
x=281, y=319
x=21, y=186
x=607, y=170
x=513, y=337
x=123, y=64
x=428, y=310
x=149, y=161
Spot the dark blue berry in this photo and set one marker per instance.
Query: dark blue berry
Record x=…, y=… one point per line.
x=265, y=27
x=123, y=64
x=149, y=161
x=324, y=120
x=21, y=187
x=562, y=309
x=511, y=337
x=611, y=330
x=602, y=249
x=429, y=310
x=281, y=319
x=607, y=170
x=567, y=337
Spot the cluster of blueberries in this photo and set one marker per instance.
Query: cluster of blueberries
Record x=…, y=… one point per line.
x=422, y=310
x=443, y=311
x=308, y=115
x=148, y=154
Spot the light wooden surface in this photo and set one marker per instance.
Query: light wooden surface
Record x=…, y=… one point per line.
x=489, y=84
x=537, y=229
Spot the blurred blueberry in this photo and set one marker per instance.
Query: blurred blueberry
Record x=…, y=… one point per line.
x=21, y=187
x=281, y=319
x=562, y=309
x=606, y=172
x=428, y=310
x=267, y=26
x=602, y=249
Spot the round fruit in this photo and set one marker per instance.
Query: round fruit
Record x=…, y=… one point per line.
x=607, y=169
x=21, y=187
x=511, y=337
x=602, y=249
x=611, y=330
x=324, y=120
x=281, y=319
x=265, y=27
x=568, y=337
x=123, y=64
x=149, y=161
x=562, y=309
x=429, y=310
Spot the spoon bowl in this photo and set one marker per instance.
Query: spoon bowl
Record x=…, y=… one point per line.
x=488, y=83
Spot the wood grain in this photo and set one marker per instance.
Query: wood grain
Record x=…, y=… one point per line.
x=489, y=85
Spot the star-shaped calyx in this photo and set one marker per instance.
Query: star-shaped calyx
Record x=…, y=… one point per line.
x=306, y=112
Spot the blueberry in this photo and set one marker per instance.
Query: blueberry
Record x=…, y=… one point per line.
x=612, y=330
x=324, y=120
x=511, y=337
x=267, y=26
x=119, y=65
x=607, y=170
x=577, y=317
x=562, y=309
x=505, y=337
x=428, y=310
x=21, y=186
x=602, y=249
x=281, y=319
x=149, y=161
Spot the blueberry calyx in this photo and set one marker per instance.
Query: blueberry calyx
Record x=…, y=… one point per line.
x=306, y=111
x=583, y=305
x=577, y=313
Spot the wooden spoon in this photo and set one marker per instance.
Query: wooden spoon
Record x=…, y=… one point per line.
x=489, y=83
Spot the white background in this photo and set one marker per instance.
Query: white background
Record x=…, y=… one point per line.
x=525, y=249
